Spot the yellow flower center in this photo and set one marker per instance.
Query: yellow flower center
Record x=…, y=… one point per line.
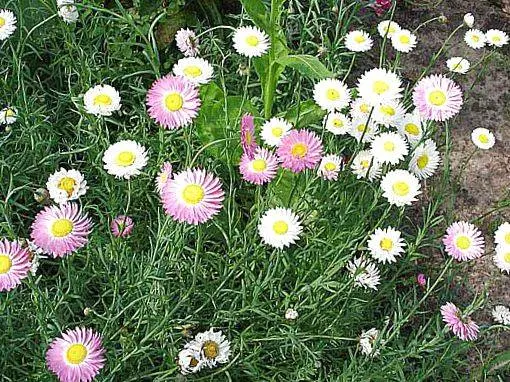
x=280, y=227
x=365, y=163
x=9, y=113
x=404, y=39
x=62, y=227
x=5, y=264
x=386, y=244
x=360, y=38
x=391, y=29
x=252, y=40
x=388, y=110
x=299, y=150
x=330, y=166
x=332, y=94
x=2, y=22
x=389, y=146
x=192, y=71
x=125, y=158
x=193, y=194
x=364, y=108
x=412, y=129
x=277, y=132
x=496, y=39
x=338, y=123
x=174, y=102
x=463, y=242
x=380, y=87
x=259, y=165
x=211, y=349
x=483, y=138
x=76, y=354
x=507, y=238
x=362, y=127
x=506, y=257
x=401, y=188
x=437, y=98
x=67, y=184
x=475, y=38
x=103, y=100
x=422, y=161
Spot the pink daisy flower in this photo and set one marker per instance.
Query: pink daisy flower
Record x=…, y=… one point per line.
x=77, y=356
x=463, y=241
x=14, y=264
x=193, y=196
x=261, y=168
x=61, y=230
x=248, y=136
x=122, y=226
x=462, y=326
x=437, y=98
x=164, y=175
x=299, y=150
x=421, y=280
x=173, y=101
x=187, y=42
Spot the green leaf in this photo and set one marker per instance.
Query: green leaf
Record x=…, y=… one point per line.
x=307, y=65
x=304, y=114
x=257, y=11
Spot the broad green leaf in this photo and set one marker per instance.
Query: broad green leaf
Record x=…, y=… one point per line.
x=304, y=114
x=307, y=65
x=258, y=12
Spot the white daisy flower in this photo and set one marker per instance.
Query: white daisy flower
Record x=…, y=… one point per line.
x=7, y=24
x=67, y=11
x=65, y=185
x=389, y=148
x=329, y=167
x=331, y=94
x=367, y=342
x=358, y=41
x=502, y=235
x=361, y=109
x=496, y=38
x=403, y=41
x=378, y=85
x=8, y=116
x=364, y=165
x=385, y=245
x=502, y=258
x=400, y=187
x=475, y=38
x=291, y=314
x=501, y=314
x=190, y=361
x=274, y=130
x=213, y=346
x=363, y=131
x=337, y=123
x=279, y=227
x=469, y=20
x=458, y=65
x=425, y=160
x=251, y=41
x=389, y=113
x=411, y=127
x=195, y=69
x=483, y=138
x=387, y=28
x=102, y=100
x=125, y=159
x=365, y=273
x=187, y=42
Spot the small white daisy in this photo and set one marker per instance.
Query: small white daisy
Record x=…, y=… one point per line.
x=469, y=20
x=365, y=166
x=251, y=41
x=458, y=65
x=501, y=314
x=483, y=138
x=368, y=340
x=496, y=38
x=274, y=130
x=387, y=28
x=475, y=38
x=425, y=160
x=337, y=123
x=400, y=187
x=379, y=85
x=190, y=361
x=411, y=127
x=187, y=42
x=389, y=148
x=389, y=113
x=65, y=185
x=403, y=41
x=329, y=167
x=385, y=245
x=102, y=100
x=365, y=273
x=358, y=41
x=195, y=69
x=8, y=116
x=360, y=109
x=502, y=258
x=67, y=11
x=125, y=159
x=213, y=346
x=363, y=131
x=279, y=227
x=331, y=94
x=502, y=235
x=7, y=24
x=291, y=314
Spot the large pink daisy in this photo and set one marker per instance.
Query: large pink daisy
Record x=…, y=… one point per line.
x=77, y=356
x=173, y=101
x=193, y=196
x=463, y=241
x=261, y=168
x=61, y=230
x=14, y=264
x=437, y=98
x=248, y=136
x=299, y=150
x=461, y=325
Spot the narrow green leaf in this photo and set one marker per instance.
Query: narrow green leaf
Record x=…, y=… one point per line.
x=307, y=65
